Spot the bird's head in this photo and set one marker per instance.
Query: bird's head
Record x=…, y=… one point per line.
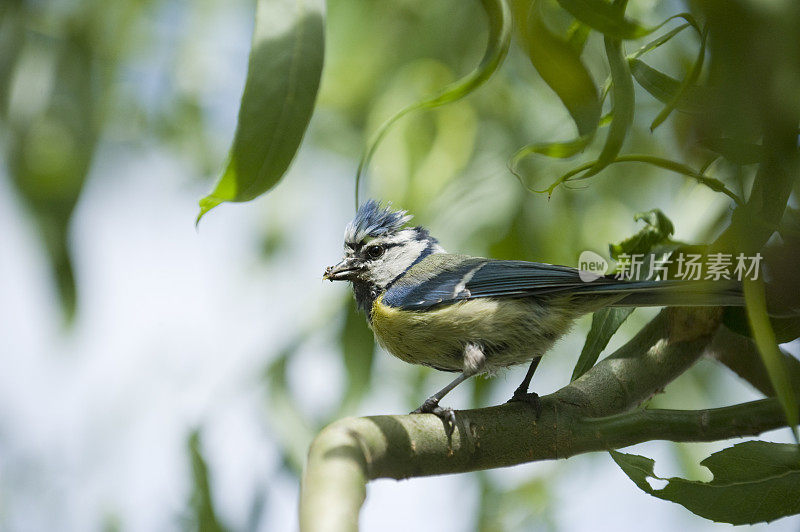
x=378, y=247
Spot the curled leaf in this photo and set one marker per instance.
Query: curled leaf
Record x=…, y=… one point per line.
x=499, y=40
x=687, y=83
x=658, y=41
x=673, y=166
x=560, y=67
x=693, y=99
x=606, y=18
x=624, y=103
x=559, y=64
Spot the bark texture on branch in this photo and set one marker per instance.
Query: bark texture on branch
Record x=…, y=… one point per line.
x=590, y=414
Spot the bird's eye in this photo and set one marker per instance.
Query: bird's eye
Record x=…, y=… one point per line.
x=375, y=252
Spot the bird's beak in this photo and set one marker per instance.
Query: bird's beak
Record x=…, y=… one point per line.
x=344, y=271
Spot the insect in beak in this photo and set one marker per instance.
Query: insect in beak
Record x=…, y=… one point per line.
x=346, y=270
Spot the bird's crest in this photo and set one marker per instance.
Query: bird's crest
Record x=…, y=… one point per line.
x=373, y=219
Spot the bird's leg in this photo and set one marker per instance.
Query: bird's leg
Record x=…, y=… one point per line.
x=473, y=363
x=521, y=393
x=431, y=404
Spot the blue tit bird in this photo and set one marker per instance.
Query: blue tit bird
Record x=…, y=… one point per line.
x=475, y=315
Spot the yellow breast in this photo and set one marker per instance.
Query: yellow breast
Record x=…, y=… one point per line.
x=512, y=331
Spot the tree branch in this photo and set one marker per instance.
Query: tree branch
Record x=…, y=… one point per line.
x=350, y=452
x=740, y=355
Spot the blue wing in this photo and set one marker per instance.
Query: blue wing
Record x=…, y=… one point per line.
x=470, y=278
x=444, y=279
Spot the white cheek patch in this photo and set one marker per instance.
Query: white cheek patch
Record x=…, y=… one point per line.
x=396, y=261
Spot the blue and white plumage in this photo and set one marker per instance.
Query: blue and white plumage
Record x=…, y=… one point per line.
x=373, y=220
x=473, y=314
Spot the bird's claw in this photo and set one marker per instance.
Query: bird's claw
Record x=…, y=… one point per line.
x=531, y=398
x=447, y=414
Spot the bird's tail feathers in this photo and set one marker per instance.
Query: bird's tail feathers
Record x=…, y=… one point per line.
x=671, y=293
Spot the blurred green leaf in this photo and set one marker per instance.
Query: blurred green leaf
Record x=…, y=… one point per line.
x=664, y=88
x=785, y=329
x=283, y=75
x=560, y=66
x=605, y=323
x=605, y=18
x=764, y=337
x=527, y=506
x=753, y=482
x=500, y=26
x=204, y=518
x=658, y=41
x=684, y=87
x=735, y=150
x=358, y=349
x=53, y=137
x=577, y=35
x=673, y=166
x=624, y=103
x=427, y=151
x=12, y=39
x=290, y=425
x=556, y=150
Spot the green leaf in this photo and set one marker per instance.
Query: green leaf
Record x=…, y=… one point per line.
x=687, y=84
x=605, y=323
x=658, y=41
x=676, y=94
x=577, y=35
x=753, y=482
x=201, y=503
x=693, y=99
x=560, y=67
x=282, y=79
x=657, y=230
x=500, y=26
x=764, y=337
x=605, y=18
x=559, y=64
x=624, y=104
